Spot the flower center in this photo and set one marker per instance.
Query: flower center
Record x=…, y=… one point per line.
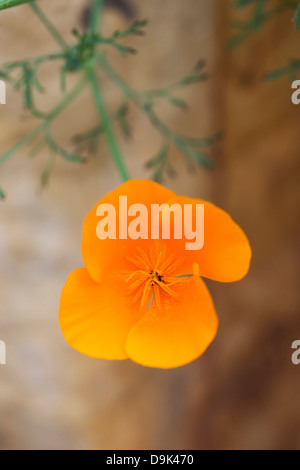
x=152, y=276
x=155, y=277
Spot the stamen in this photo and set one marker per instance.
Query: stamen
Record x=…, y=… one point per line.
x=138, y=262
x=147, y=285
x=158, y=260
x=168, y=262
x=166, y=288
x=144, y=257
x=139, y=271
x=157, y=297
x=152, y=276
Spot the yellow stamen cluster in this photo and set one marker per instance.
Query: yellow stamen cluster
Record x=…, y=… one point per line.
x=153, y=274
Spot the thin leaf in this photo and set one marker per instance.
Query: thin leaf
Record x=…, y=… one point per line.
x=122, y=120
x=36, y=149
x=175, y=101
x=296, y=17
x=47, y=170
x=70, y=157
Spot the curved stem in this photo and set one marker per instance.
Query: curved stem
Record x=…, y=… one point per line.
x=12, y=3
x=103, y=114
x=39, y=128
x=49, y=26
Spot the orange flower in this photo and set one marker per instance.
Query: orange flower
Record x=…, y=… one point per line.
x=144, y=299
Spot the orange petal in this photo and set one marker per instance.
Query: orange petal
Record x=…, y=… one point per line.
x=95, y=318
x=179, y=332
x=226, y=252
x=105, y=258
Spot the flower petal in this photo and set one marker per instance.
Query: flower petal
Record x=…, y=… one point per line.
x=178, y=333
x=95, y=318
x=106, y=258
x=226, y=253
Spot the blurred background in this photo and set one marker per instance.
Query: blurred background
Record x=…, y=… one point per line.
x=243, y=393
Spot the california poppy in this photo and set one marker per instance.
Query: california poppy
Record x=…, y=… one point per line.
x=144, y=299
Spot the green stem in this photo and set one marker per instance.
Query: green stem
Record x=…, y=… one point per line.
x=33, y=61
x=12, y=3
x=95, y=15
x=135, y=97
x=296, y=17
x=52, y=115
x=49, y=26
x=24, y=141
x=103, y=114
x=69, y=97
